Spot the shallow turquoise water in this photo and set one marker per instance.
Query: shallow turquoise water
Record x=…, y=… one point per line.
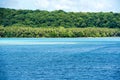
x=60, y=59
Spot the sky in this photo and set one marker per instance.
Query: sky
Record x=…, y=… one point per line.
x=66, y=5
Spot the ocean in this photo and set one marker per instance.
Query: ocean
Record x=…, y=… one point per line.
x=59, y=58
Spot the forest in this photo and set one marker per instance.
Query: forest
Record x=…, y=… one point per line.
x=58, y=23
x=16, y=31
x=39, y=18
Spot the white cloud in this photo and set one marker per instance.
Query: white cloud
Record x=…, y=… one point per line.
x=54, y=4
x=63, y=4
x=67, y=5
x=95, y=5
x=75, y=5
x=42, y=3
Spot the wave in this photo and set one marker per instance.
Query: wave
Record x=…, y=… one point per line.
x=34, y=43
x=19, y=42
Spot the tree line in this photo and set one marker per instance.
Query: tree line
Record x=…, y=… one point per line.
x=16, y=31
x=41, y=18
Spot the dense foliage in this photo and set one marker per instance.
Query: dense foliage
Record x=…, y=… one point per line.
x=57, y=32
x=38, y=18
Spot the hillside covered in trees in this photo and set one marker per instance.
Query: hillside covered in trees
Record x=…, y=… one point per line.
x=39, y=18
x=37, y=23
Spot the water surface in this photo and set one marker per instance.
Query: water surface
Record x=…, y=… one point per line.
x=60, y=59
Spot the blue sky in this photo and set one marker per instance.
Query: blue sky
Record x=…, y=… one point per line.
x=66, y=5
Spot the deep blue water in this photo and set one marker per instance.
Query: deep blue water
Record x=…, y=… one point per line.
x=60, y=59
